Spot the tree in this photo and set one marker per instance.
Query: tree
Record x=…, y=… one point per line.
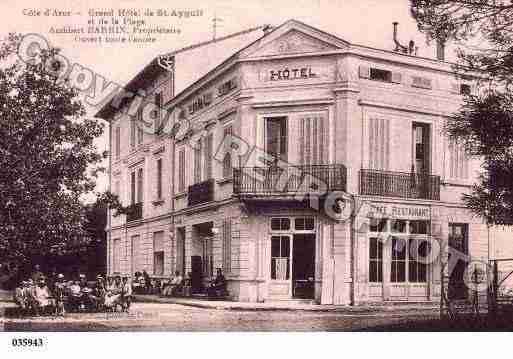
x=482, y=30
x=47, y=157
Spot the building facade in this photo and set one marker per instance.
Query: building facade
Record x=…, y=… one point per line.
x=306, y=167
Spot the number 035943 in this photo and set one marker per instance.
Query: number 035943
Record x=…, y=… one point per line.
x=27, y=342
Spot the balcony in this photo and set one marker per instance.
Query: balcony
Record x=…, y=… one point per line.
x=399, y=184
x=135, y=212
x=287, y=181
x=201, y=192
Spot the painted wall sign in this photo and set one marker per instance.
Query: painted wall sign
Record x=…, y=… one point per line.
x=389, y=210
x=291, y=73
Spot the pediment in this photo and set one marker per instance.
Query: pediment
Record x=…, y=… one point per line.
x=294, y=38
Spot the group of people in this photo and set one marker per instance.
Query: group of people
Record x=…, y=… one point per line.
x=40, y=295
x=178, y=285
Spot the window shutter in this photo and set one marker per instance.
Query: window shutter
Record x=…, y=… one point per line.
x=197, y=162
x=396, y=77
x=208, y=156
x=159, y=178
x=181, y=170
x=364, y=72
x=379, y=144
x=132, y=133
x=227, y=246
x=118, y=141
x=140, y=185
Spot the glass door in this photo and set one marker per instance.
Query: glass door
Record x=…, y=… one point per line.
x=281, y=284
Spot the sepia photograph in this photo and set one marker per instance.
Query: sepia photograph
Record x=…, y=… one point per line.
x=224, y=166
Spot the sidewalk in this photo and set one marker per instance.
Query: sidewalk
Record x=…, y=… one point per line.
x=286, y=305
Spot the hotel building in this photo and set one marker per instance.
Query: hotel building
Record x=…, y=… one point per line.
x=271, y=126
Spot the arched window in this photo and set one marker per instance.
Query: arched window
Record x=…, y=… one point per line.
x=227, y=166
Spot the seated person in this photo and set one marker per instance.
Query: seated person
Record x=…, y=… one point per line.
x=217, y=288
x=113, y=295
x=75, y=295
x=97, y=295
x=59, y=294
x=21, y=297
x=43, y=300
x=126, y=294
x=175, y=283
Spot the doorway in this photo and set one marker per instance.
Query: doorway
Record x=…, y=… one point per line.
x=303, y=266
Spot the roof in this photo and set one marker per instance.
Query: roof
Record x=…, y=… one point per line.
x=153, y=69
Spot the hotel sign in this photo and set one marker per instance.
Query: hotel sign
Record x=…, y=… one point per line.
x=390, y=210
x=293, y=73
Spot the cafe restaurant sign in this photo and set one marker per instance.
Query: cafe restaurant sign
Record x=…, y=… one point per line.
x=391, y=210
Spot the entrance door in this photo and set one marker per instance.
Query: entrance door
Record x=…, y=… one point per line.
x=280, y=286
x=303, y=266
x=458, y=241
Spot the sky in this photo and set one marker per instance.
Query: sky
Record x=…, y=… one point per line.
x=366, y=22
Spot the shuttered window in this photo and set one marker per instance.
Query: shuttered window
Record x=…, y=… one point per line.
x=159, y=178
x=227, y=246
x=312, y=139
x=209, y=141
x=181, y=170
x=458, y=161
x=379, y=144
x=197, y=162
x=117, y=140
x=139, y=185
x=227, y=161
x=158, y=253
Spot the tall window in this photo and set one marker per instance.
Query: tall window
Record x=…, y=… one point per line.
x=116, y=255
x=209, y=141
x=158, y=115
x=276, y=137
x=312, y=140
x=227, y=246
x=158, y=253
x=117, y=141
x=136, y=186
x=227, y=160
x=181, y=170
x=379, y=144
x=458, y=161
x=139, y=185
x=399, y=251
x=421, y=147
x=417, y=269
x=197, y=162
x=375, y=260
x=133, y=129
x=208, y=255
x=280, y=257
x=159, y=178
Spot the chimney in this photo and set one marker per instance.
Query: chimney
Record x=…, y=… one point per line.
x=440, y=50
x=398, y=46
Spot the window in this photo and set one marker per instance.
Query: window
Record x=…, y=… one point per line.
x=134, y=253
x=379, y=144
x=117, y=141
x=280, y=224
x=465, y=89
x=159, y=178
x=458, y=161
x=227, y=166
x=276, y=137
x=312, y=140
x=378, y=224
x=419, y=227
x=304, y=224
x=133, y=132
x=280, y=257
x=197, y=162
x=399, y=250
x=417, y=270
x=139, y=185
x=208, y=156
x=181, y=170
x=375, y=260
x=398, y=225
x=227, y=160
x=116, y=255
x=158, y=114
x=380, y=75
x=458, y=237
x=132, y=188
x=421, y=147
x=208, y=254
x=227, y=246
x=158, y=253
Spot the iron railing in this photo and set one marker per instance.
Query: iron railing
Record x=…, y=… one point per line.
x=135, y=212
x=399, y=184
x=290, y=179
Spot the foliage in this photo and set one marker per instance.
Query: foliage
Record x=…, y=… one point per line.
x=483, y=32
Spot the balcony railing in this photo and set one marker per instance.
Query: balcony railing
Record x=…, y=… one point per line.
x=289, y=180
x=201, y=192
x=135, y=212
x=399, y=184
